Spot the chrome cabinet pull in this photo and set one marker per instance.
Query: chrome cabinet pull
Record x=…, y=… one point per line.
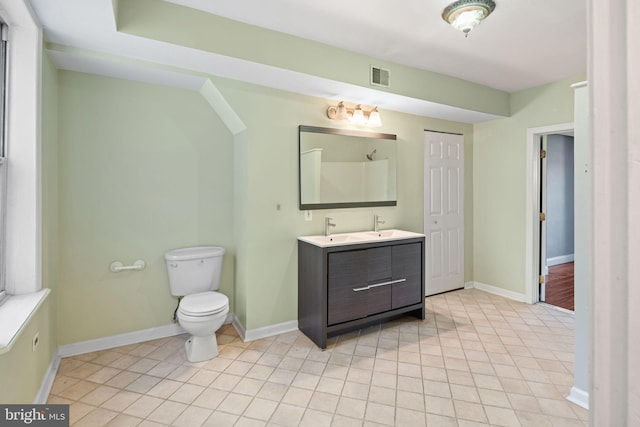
x=391, y=282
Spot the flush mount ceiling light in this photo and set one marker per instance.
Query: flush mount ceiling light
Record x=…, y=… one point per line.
x=356, y=115
x=465, y=15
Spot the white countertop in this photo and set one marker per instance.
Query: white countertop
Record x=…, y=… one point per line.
x=359, y=237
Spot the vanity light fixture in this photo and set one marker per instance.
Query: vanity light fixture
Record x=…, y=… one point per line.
x=356, y=115
x=465, y=15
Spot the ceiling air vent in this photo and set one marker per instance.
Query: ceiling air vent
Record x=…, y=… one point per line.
x=379, y=76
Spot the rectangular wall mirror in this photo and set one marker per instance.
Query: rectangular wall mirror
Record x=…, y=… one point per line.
x=340, y=168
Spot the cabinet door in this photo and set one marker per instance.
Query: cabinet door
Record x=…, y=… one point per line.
x=378, y=271
x=407, y=264
x=347, y=294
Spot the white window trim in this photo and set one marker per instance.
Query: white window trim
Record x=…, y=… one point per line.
x=23, y=237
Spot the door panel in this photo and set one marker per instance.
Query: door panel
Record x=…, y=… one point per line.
x=378, y=264
x=453, y=198
x=436, y=196
x=347, y=271
x=444, y=211
x=453, y=259
x=407, y=264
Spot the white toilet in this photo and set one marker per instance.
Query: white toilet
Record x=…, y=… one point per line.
x=194, y=274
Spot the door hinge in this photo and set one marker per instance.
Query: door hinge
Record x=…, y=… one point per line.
x=541, y=279
x=543, y=154
x=543, y=216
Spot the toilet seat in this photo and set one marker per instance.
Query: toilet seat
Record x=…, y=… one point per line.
x=203, y=304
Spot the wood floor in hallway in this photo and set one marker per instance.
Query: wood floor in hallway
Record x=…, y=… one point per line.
x=559, y=286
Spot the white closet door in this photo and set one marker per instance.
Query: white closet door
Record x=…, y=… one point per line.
x=444, y=211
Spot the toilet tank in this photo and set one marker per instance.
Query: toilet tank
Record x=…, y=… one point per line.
x=195, y=269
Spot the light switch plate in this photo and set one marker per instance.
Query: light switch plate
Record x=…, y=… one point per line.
x=308, y=216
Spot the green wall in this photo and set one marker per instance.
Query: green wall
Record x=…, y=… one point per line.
x=142, y=169
x=499, y=166
x=22, y=369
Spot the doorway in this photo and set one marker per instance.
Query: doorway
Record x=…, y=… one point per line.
x=534, y=264
x=557, y=220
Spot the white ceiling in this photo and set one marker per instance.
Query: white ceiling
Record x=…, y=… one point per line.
x=521, y=45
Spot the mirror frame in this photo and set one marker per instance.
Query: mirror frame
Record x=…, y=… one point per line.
x=342, y=132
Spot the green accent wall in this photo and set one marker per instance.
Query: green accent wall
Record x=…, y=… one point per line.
x=21, y=369
x=499, y=166
x=142, y=169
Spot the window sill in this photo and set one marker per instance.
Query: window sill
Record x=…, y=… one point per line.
x=15, y=314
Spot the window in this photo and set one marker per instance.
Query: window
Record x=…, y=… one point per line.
x=3, y=159
x=20, y=195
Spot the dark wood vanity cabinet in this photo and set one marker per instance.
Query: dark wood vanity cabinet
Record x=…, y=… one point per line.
x=342, y=288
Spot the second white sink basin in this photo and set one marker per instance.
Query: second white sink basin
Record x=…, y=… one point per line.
x=386, y=234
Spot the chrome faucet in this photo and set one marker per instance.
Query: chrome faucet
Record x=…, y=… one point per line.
x=327, y=226
x=377, y=220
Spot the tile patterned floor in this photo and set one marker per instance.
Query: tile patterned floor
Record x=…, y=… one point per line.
x=477, y=360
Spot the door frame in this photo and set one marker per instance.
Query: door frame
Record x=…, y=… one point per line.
x=532, y=197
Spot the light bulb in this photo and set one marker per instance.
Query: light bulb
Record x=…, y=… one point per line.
x=358, y=116
x=467, y=21
x=341, y=111
x=374, y=118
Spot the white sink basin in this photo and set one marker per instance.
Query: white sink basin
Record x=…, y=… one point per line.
x=358, y=237
x=386, y=234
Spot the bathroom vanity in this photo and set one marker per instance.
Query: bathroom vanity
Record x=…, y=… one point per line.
x=350, y=281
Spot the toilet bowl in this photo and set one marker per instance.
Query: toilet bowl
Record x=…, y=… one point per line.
x=201, y=315
x=194, y=274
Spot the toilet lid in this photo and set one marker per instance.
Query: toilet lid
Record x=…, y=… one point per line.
x=203, y=303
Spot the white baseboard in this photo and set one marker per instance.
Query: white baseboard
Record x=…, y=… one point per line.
x=265, y=331
x=562, y=259
x=499, y=291
x=120, y=340
x=47, y=381
x=170, y=330
x=468, y=285
x=579, y=397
